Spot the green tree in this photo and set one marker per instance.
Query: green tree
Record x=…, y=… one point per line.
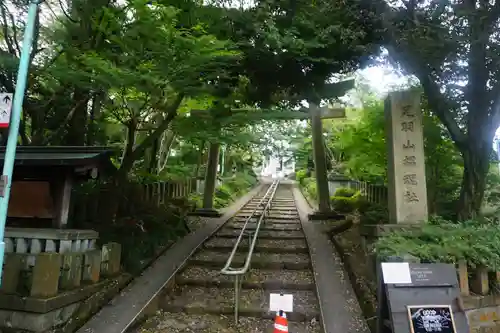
x=453, y=49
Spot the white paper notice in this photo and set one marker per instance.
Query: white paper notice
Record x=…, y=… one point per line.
x=279, y=302
x=396, y=272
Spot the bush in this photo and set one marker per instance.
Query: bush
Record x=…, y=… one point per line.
x=345, y=192
x=223, y=195
x=143, y=228
x=233, y=187
x=309, y=185
x=300, y=176
x=377, y=214
x=344, y=204
x=362, y=202
x=439, y=240
x=196, y=199
x=372, y=213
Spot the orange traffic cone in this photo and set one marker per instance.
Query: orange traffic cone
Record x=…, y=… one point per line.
x=280, y=323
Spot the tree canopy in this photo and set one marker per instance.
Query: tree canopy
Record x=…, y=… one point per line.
x=130, y=73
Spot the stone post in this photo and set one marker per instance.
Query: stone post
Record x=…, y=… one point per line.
x=406, y=161
x=210, y=182
x=319, y=159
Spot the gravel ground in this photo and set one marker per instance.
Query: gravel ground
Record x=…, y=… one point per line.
x=166, y=322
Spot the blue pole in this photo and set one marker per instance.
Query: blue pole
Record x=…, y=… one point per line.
x=15, y=118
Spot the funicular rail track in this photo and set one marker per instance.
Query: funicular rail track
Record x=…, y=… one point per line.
x=203, y=299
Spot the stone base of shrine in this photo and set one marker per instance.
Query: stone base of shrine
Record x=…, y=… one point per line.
x=33, y=314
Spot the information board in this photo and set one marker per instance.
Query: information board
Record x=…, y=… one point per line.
x=431, y=318
x=408, y=294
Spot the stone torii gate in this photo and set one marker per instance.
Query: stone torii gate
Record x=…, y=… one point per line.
x=314, y=113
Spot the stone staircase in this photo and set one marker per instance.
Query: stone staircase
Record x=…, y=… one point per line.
x=202, y=299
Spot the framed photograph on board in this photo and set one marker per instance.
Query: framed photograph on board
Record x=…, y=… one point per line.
x=431, y=318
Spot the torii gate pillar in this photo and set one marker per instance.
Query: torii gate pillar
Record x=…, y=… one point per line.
x=324, y=211
x=210, y=182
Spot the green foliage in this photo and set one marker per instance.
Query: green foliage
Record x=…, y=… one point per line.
x=444, y=241
x=292, y=57
x=359, y=143
x=223, y=196
x=346, y=192
x=345, y=200
x=344, y=204
x=372, y=213
x=143, y=234
x=300, y=176
x=233, y=188
x=310, y=187
x=491, y=205
x=142, y=228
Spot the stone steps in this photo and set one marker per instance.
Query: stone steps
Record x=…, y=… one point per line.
x=276, y=207
x=264, y=234
x=203, y=298
x=274, y=216
x=253, y=302
x=225, y=245
x=254, y=279
x=267, y=221
x=267, y=226
x=170, y=322
x=264, y=260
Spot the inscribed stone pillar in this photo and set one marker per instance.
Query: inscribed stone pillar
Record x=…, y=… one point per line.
x=406, y=162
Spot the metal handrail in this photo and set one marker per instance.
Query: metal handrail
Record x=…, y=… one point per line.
x=228, y=270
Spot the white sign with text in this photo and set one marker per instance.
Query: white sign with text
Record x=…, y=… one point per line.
x=5, y=109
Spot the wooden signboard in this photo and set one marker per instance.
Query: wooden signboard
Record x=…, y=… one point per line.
x=431, y=318
x=31, y=199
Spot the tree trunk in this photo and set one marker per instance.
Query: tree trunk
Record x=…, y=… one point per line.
x=78, y=122
x=228, y=163
x=95, y=112
x=153, y=158
x=167, y=142
x=114, y=194
x=133, y=152
x=196, y=173
x=476, y=166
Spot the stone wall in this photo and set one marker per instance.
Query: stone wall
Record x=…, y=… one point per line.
x=49, y=272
